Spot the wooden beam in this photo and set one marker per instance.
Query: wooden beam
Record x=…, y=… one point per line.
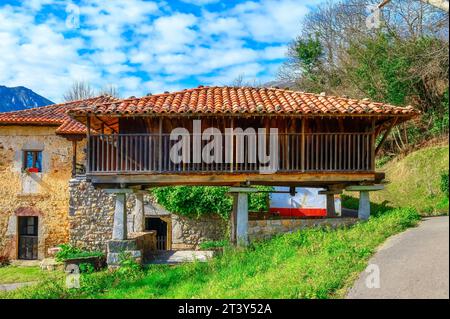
x=103, y=124
x=388, y=131
x=74, y=158
x=285, y=179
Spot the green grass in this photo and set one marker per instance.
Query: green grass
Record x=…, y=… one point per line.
x=13, y=274
x=414, y=181
x=311, y=263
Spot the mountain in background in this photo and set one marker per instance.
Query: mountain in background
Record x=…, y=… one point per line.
x=19, y=98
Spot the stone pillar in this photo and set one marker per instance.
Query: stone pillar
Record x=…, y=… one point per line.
x=138, y=213
x=331, y=209
x=120, y=218
x=364, y=205
x=239, y=217
x=364, y=201
x=242, y=219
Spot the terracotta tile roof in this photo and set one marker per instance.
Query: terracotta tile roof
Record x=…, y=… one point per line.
x=245, y=100
x=53, y=115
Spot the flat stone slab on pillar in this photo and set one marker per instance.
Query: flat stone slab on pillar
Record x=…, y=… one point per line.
x=364, y=188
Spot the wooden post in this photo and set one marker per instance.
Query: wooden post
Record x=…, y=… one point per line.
x=160, y=145
x=303, y=154
x=74, y=158
x=388, y=131
x=89, y=151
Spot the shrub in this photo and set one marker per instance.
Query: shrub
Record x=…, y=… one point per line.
x=70, y=252
x=86, y=268
x=4, y=261
x=195, y=201
x=128, y=266
x=445, y=184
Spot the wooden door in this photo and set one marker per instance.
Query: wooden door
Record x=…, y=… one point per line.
x=28, y=237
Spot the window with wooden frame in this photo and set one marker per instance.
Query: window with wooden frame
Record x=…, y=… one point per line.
x=32, y=161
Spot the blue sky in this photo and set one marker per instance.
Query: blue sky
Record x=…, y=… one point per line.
x=144, y=46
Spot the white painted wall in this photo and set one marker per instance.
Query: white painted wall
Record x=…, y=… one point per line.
x=304, y=198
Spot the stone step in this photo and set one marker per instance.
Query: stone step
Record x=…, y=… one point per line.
x=179, y=256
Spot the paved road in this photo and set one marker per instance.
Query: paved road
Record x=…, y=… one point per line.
x=413, y=264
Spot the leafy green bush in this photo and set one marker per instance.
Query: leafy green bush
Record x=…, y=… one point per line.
x=86, y=268
x=445, y=184
x=71, y=252
x=195, y=201
x=128, y=266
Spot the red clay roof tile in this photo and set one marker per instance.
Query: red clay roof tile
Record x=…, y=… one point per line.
x=242, y=100
x=53, y=115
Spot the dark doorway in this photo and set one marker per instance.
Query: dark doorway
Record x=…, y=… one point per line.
x=156, y=223
x=28, y=237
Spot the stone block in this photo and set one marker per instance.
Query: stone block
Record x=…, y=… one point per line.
x=113, y=259
x=118, y=246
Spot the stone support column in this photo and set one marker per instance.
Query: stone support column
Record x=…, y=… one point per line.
x=138, y=213
x=239, y=215
x=364, y=200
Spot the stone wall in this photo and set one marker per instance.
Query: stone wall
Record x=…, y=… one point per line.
x=188, y=233
x=34, y=194
x=91, y=215
x=263, y=229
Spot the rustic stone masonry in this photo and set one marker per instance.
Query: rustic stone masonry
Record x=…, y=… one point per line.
x=188, y=233
x=91, y=213
x=263, y=229
x=91, y=221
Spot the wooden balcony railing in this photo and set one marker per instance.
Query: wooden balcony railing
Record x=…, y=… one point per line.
x=297, y=152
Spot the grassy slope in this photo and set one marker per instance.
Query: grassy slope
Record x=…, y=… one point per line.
x=313, y=263
x=12, y=274
x=414, y=181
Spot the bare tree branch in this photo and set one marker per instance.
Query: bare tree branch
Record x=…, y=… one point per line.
x=441, y=4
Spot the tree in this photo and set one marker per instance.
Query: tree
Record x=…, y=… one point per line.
x=403, y=61
x=80, y=90
x=240, y=81
x=441, y=4
x=110, y=90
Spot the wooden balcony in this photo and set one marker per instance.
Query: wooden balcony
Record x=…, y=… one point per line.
x=307, y=158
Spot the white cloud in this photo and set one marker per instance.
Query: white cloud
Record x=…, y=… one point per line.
x=200, y=2
x=143, y=46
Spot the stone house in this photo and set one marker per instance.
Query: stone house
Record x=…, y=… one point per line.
x=45, y=199
x=38, y=156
